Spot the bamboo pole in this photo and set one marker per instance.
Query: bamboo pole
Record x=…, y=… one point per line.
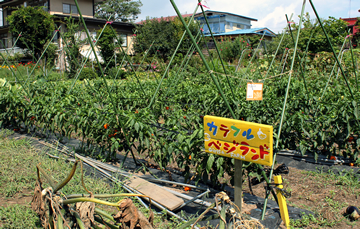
x=332, y=49
x=204, y=60
x=172, y=57
x=292, y=36
x=284, y=106
x=107, y=87
x=353, y=61
x=217, y=50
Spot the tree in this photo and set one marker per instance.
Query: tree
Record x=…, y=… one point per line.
x=162, y=36
x=35, y=25
x=335, y=28
x=108, y=44
x=72, y=47
x=356, y=37
x=118, y=10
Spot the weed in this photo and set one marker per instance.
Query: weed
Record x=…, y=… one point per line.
x=18, y=216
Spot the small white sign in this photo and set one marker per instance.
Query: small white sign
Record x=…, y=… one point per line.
x=254, y=91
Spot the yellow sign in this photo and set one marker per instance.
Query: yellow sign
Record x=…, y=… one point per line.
x=254, y=91
x=241, y=140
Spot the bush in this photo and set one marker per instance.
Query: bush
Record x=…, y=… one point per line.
x=87, y=73
x=51, y=55
x=116, y=73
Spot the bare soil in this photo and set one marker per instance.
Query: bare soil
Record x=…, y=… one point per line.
x=323, y=194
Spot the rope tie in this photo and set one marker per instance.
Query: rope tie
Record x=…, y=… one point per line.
x=199, y=4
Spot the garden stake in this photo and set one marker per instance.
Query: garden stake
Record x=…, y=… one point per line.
x=212, y=76
x=9, y=66
x=131, y=66
x=151, y=46
x=284, y=106
x=353, y=61
x=217, y=50
x=182, y=68
x=342, y=54
x=252, y=58
x=277, y=50
x=207, y=48
x=83, y=63
x=106, y=85
x=292, y=36
x=332, y=71
x=42, y=54
x=239, y=62
x=172, y=57
x=145, y=56
x=332, y=48
x=177, y=75
x=307, y=46
x=12, y=48
x=117, y=73
x=107, y=65
x=203, y=59
x=285, y=54
x=129, y=189
x=34, y=57
x=12, y=71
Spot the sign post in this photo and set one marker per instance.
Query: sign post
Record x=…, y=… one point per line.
x=241, y=140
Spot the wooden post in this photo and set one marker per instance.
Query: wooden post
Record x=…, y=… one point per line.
x=238, y=184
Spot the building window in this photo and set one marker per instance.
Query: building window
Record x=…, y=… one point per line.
x=74, y=9
x=69, y=9
x=229, y=25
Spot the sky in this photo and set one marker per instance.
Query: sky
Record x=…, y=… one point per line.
x=269, y=13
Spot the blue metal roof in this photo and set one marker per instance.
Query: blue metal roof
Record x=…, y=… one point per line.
x=259, y=31
x=220, y=12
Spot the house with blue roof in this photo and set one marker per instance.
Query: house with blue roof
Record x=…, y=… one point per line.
x=229, y=24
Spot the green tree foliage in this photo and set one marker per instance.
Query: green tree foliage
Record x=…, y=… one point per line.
x=165, y=34
x=118, y=10
x=356, y=37
x=231, y=48
x=335, y=28
x=72, y=45
x=51, y=54
x=108, y=44
x=35, y=25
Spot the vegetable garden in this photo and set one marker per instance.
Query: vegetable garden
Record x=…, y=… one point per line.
x=311, y=102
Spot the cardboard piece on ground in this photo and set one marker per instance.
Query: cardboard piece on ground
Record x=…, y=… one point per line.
x=155, y=192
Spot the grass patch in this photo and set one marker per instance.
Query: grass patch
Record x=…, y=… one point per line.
x=10, y=217
x=18, y=160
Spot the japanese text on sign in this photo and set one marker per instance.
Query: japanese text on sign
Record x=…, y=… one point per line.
x=241, y=140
